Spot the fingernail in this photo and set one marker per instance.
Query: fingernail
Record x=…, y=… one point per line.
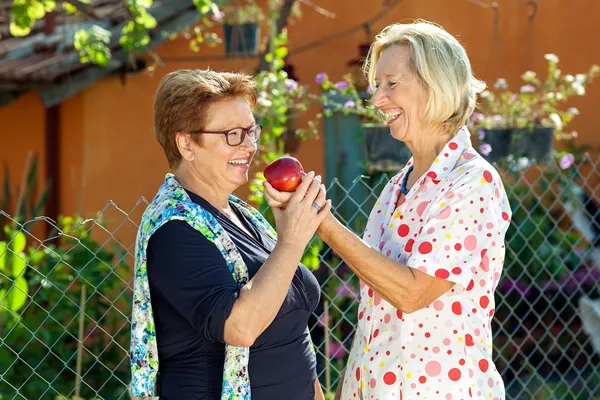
x=322, y=186
x=311, y=174
x=318, y=177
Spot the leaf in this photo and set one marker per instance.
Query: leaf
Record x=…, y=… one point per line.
x=17, y=295
x=146, y=20
x=69, y=8
x=41, y=202
x=19, y=265
x=17, y=242
x=3, y=256
x=17, y=30
x=281, y=52
x=35, y=256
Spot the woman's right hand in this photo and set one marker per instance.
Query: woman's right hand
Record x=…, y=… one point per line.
x=297, y=224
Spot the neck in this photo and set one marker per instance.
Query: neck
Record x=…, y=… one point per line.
x=193, y=181
x=426, y=147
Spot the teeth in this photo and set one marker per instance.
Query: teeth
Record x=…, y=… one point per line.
x=238, y=162
x=393, y=114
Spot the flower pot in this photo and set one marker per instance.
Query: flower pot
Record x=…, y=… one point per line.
x=535, y=144
x=384, y=152
x=241, y=40
x=500, y=142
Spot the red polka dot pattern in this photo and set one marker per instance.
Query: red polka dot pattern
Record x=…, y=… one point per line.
x=451, y=227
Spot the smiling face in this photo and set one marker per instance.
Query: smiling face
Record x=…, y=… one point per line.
x=213, y=159
x=399, y=94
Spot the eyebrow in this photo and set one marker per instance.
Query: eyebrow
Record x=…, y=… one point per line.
x=389, y=76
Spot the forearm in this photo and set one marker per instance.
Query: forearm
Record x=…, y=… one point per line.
x=318, y=390
x=400, y=285
x=261, y=298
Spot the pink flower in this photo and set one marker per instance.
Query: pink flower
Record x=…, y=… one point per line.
x=349, y=104
x=527, y=89
x=321, y=77
x=566, y=161
x=485, y=149
x=574, y=134
x=341, y=85
x=345, y=290
x=477, y=117
x=336, y=350
x=324, y=321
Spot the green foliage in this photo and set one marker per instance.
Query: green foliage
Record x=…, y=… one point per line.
x=24, y=14
x=281, y=101
x=537, y=102
x=13, y=285
x=93, y=45
x=46, y=336
x=238, y=12
x=25, y=203
x=70, y=9
x=135, y=35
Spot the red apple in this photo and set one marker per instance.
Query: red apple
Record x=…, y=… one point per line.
x=284, y=174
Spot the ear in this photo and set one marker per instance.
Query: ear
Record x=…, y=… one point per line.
x=184, y=145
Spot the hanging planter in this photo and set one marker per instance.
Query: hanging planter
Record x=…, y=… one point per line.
x=535, y=144
x=241, y=40
x=384, y=152
x=499, y=139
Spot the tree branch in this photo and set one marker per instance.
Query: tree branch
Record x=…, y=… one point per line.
x=282, y=21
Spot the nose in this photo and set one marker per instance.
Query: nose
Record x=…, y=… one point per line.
x=249, y=144
x=379, y=98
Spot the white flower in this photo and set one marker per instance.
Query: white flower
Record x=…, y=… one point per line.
x=263, y=100
x=569, y=78
x=574, y=111
x=555, y=118
x=580, y=78
x=551, y=57
x=523, y=162
x=579, y=89
x=528, y=75
x=559, y=96
x=550, y=95
x=527, y=89
x=484, y=94
x=500, y=84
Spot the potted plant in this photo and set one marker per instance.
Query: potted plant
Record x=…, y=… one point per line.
x=525, y=123
x=241, y=27
x=384, y=153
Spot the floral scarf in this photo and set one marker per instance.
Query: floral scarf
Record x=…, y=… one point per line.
x=173, y=203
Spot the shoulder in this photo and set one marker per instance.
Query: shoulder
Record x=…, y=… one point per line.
x=473, y=172
x=177, y=234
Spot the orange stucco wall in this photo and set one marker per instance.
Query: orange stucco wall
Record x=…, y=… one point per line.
x=21, y=133
x=108, y=128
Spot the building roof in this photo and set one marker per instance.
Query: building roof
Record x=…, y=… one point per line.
x=47, y=60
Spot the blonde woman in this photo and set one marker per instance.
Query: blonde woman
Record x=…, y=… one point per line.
x=433, y=249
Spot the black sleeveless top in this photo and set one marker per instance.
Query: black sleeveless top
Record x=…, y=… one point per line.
x=193, y=293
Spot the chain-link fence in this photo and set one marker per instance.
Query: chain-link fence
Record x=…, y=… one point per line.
x=65, y=300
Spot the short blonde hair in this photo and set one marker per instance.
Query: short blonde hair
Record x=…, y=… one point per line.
x=183, y=98
x=441, y=64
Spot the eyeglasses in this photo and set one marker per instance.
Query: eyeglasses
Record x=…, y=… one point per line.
x=236, y=136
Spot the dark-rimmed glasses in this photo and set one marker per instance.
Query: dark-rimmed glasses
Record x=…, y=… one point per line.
x=235, y=136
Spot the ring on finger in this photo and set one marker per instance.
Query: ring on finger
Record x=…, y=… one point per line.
x=316, y=206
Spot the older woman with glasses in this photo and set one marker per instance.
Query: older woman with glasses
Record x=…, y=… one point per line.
x=221, y=300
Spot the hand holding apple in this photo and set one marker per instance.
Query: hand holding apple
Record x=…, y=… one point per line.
x=284, y=174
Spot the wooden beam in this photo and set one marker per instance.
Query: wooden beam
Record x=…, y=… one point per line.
x=52, y=163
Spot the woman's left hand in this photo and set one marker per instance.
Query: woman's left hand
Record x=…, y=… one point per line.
x=277, y=199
